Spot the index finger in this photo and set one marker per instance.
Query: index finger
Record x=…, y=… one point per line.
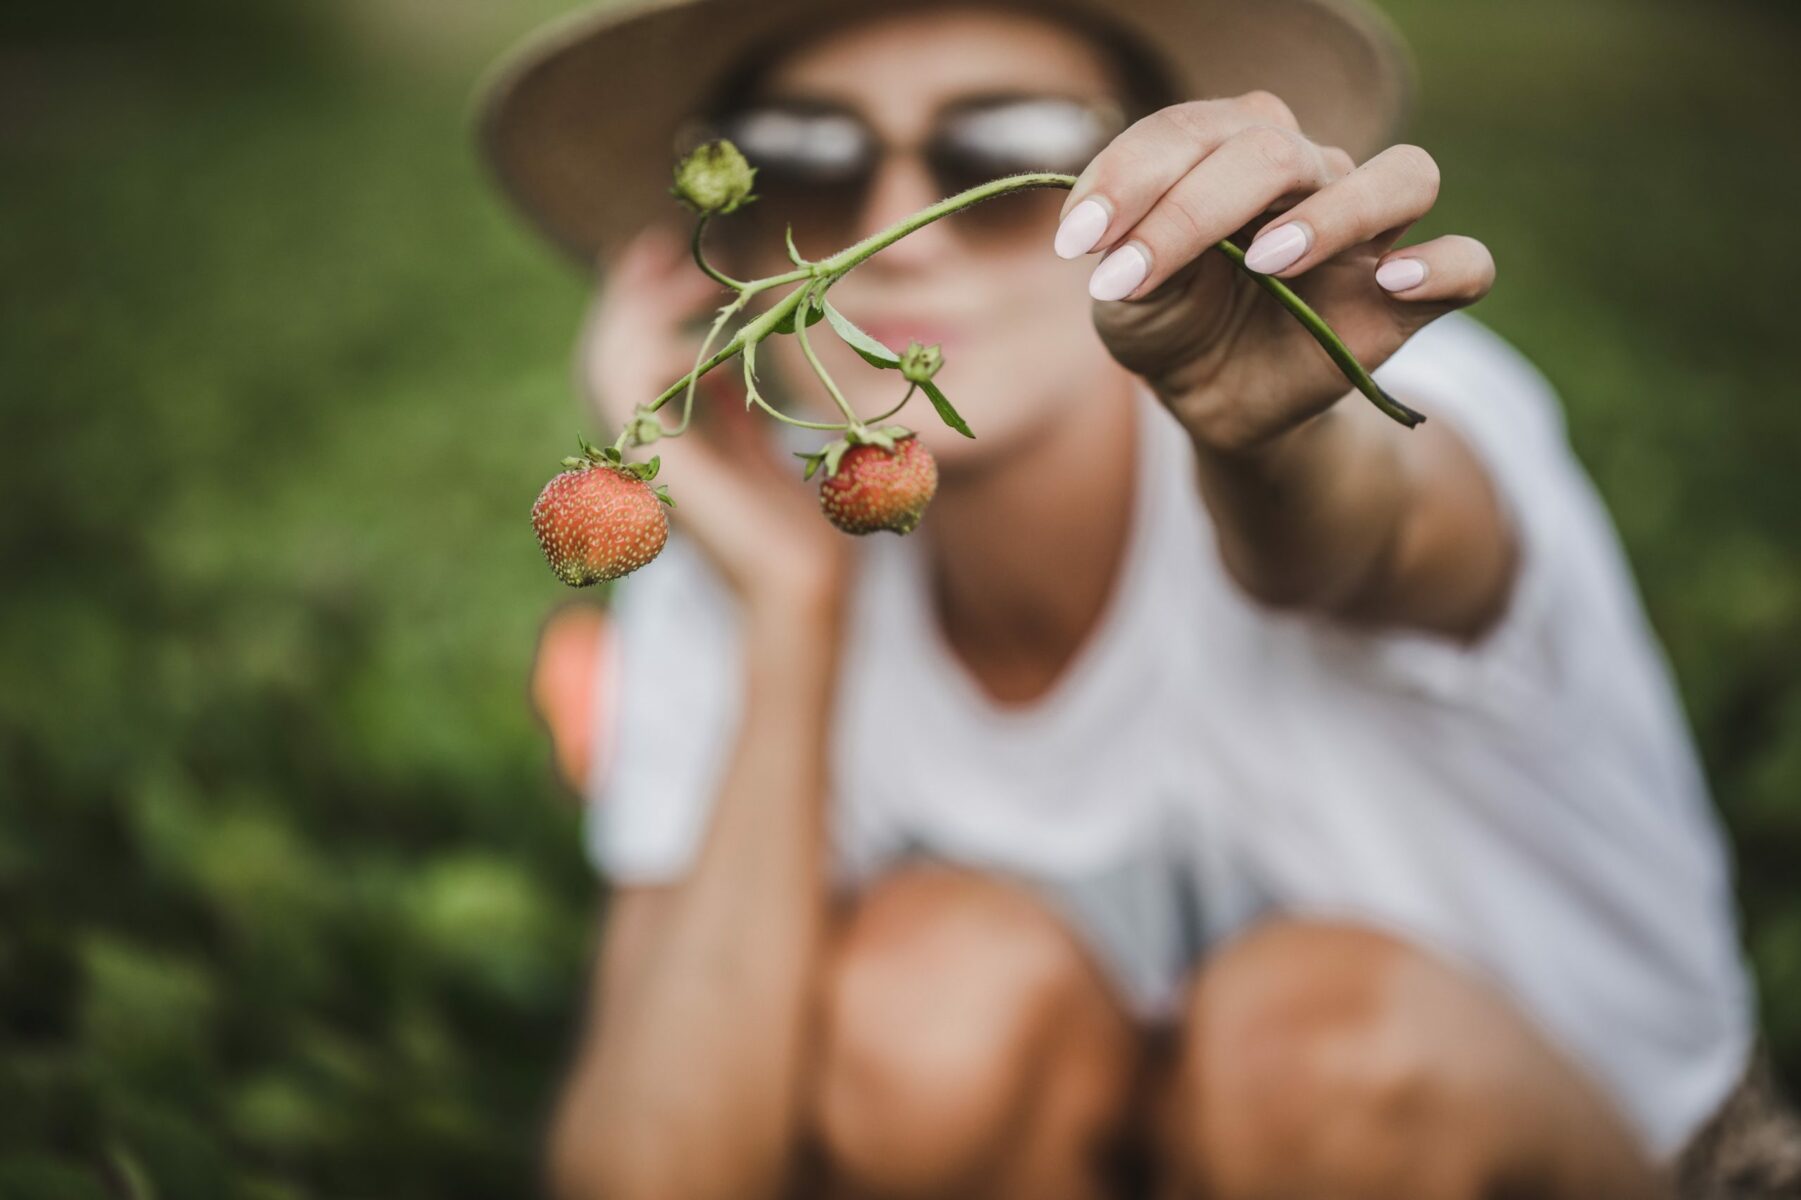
x=1123, y=181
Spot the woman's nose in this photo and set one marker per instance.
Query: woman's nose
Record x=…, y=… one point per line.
x=902, y=186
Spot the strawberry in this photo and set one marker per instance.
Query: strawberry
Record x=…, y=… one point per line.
x=874, y=487
x=600, y=519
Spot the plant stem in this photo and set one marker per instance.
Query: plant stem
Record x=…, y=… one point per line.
x=849, y=257
x=806, y=348
x=1329, y=341
x=700, y=259
x=754, y=396
x=844, y=260
x=911, y=388
x=725, y=314
x=750, y=331
x=825, y=272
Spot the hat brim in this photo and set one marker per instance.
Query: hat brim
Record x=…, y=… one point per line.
x=579, y=123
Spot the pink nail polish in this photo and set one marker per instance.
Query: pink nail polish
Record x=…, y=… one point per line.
x=1400, y=274
x=1081, y=230
x=1119, y=273
x=1278, y=249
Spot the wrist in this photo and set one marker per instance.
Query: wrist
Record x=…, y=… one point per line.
x=1232, y=432
x=795, y=619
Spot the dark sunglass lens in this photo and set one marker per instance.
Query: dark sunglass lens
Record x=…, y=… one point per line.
x=1009, y=137
x=797, y=144
x=812, y=171
x=1012, y=137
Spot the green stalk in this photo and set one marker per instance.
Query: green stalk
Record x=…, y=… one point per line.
x=1329, y=341
x=806, y=348
x=850, y=256
x=700, y=259
x=826, y=272
x=1316, y=325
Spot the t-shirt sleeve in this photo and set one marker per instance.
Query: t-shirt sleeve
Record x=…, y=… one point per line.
x=1459, y=372
x=670, y=693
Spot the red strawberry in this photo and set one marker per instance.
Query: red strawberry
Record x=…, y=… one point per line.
x=876, y=489
x=598, y=522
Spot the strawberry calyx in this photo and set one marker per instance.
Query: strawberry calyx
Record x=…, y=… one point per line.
x=612, y=459
x=832, y=453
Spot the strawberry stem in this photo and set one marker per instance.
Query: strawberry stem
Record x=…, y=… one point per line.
x=817, y=277
x=911, y=388
x=700, y=258
x=825, y=377
x=1328, y=340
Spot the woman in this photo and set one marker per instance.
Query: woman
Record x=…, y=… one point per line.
x=1225, y=790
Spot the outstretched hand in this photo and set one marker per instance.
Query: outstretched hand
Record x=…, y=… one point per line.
x=1235, y=368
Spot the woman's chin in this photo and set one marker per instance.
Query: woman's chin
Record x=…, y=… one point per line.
x=994, y=440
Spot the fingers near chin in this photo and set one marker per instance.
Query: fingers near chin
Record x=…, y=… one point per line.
x=1452, y=271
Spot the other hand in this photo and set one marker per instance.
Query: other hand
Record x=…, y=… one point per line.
x=747, y=511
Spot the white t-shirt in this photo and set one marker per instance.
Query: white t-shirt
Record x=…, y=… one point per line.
x=1529, y=807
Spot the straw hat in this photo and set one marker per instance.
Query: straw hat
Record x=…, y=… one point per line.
x=580, y=122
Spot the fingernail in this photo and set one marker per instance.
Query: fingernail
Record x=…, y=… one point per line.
x=1399, y=274
x=1119, y=273
x=1278, y=249
x=1081, y=229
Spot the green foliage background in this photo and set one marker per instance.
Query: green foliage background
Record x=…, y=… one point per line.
x=289, y=904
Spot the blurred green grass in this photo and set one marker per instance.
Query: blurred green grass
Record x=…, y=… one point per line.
x=290, y=904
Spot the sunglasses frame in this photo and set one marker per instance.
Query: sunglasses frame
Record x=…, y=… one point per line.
x=932, y=151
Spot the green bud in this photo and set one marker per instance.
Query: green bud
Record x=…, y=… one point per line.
x=714, y=179
x=919, y=363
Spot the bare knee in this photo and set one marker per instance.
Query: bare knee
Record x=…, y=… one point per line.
x=956, y=1009
x=1304, y=1071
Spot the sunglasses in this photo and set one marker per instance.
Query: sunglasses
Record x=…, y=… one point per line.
x=816, y=163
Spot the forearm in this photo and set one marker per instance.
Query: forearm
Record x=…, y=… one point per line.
x=1310, y=519
x=1352, y=517
x=688, y=1084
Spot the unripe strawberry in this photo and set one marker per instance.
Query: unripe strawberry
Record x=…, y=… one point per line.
x=598, y=522
x=876, y=489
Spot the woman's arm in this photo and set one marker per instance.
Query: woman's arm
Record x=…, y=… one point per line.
x=687, y=1083
x=1351, y=516
x=1320, y=502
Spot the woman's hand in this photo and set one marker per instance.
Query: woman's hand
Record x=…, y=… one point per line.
x=749, y=512
x=1233, y=366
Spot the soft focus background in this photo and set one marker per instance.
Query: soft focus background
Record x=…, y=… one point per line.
x=289, y=902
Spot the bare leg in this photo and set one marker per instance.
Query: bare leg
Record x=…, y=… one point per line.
x=1328, y=1060
x=971, y=1049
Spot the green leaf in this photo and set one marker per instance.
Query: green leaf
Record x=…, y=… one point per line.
x=574, y=463
x=949, y=415
x=834, y=454
x=612, y=455
x=873, y=352
x=786, y=324
x=662, y=493
x=648, y=471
